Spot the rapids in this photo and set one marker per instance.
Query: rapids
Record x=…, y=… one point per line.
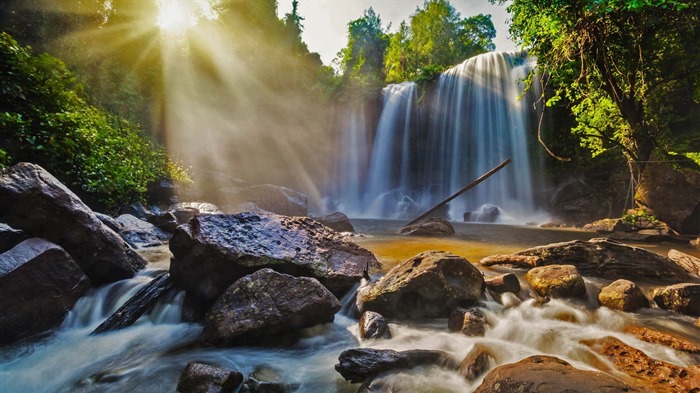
x=149, y=356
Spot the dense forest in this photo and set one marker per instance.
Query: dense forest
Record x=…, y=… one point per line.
x=621, y=82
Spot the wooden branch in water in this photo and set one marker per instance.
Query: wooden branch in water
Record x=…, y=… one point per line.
x=462, y=191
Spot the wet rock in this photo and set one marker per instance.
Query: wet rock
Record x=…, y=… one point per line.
x=214, y=250
x=610, y=260
x=269, y=197
x=658, y=191
x=266, y=380
x=653, y=374
x=265, y=304
x=557, y=281
x=39, y=284
x=139, y=233
x=471, y=322
x=428, y=285
x=548, y=374
x=373, y=326
x=165, y=221
x=109, y=221
x=338, y=222
x=681, y=298
x=10, y=237
x=184, y=211
x=34, y=201
x=689, y=263
x=522, y=261
x=486, y=213
x=661, y=338
x=136, y=209
x=359, y=364
x=203, y=378
x=502, y=283
x=430, y=227
x=476, y=363
x=607, y=225
x=623, y=295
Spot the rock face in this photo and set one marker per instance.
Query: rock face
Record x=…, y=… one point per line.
x=558, y=281
x=654, y=374
x=430, y=227
x=689, y=263
x=373, y=325
x=139, y=233
x=212, y=251
x=579, y=202
x=39, y=284
x=623, y=295
x=429, y=285
x=610, y=260
x=10, y=237
x=265, y=304
x=338, y=222
x=658, y=191
x=359, y=364
x=682, y=298
x=548, y=374
x=203, y=378
x=275, y=199
x=34, y=201
x=471, y=322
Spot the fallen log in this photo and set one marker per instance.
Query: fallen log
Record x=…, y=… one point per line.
x=138, y=305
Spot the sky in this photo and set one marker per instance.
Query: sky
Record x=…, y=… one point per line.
x=325, y=21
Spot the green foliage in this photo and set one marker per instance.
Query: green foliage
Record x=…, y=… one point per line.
x=639, y=218
x=43, y=119
x=362, y=60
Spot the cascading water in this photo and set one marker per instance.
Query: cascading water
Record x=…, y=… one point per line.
x=474, y=119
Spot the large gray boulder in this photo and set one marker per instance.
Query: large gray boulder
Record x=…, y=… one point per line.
x=212, y=251
x=34, y=201
x=548, y=374
x=429, y=285
x=39, y=284
x=265, y=304
x=610, y=260
x=269, y=197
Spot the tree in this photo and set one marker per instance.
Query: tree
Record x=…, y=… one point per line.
x=629, y=68
x=362, y=60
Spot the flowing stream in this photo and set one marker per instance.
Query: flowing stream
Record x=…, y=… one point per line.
x=149, y=356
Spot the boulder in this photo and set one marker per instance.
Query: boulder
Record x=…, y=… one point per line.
x=610, y=260
x=689, y=263
x=359, y=364
x=39, y=284
x=373, y=325
x=502, y=283
x=203, y=378
x=661, y=338
x=136, y=209
x=10, y=237
x=607, y=225
x=522, y=261
x=338, y=222
x=266, y=380
x=265, y=304
x=476, y=362
x=430, y=227
x=658, y=191
x=272, y=198
x=682, y=298
x=212, y=251
x=486, y=213
x=653, y=374
x=623, y=295
x=556, y=281
x=471, y=322
x=548, y=374
x=109, y=221
x=139, y=233
x=34, y=201
x=428, y=285
x=165, y=221
x=184, y=211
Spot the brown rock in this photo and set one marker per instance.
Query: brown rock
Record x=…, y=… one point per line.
x=203, y=378
x=610, y=260
x=523, y=261
x=665, y=339
x=681, y=298
x=373, y=325
x=607, y=225
x=476, y=362
x=548, y=374
x=433, y=226
x=502, y=283
x=556, y=281
x=428, y=285
x=654, y=374
x=471, y=322
x=690, y=263
x=623, y=295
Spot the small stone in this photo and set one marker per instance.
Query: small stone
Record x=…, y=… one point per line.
x=623, y=295
x=471, y=322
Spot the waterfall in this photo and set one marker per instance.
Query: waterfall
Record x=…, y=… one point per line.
x=471, y=119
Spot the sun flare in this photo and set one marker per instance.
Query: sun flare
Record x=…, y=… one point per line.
x=175, y=16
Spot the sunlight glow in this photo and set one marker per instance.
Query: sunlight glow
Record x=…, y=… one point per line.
x=176, y=16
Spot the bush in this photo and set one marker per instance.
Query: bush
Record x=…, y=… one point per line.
x=44, y=119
